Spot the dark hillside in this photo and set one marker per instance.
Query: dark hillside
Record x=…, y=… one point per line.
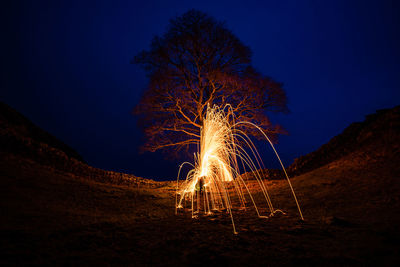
x=380, y=130
x=21, y=139
x=18, y=133
x=60, y=211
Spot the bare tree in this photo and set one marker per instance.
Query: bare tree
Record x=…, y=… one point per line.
x=198, y=62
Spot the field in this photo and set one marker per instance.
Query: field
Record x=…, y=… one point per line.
x=351, y=210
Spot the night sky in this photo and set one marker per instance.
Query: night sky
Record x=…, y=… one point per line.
x=66, y=66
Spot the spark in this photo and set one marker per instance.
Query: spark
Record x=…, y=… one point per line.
x=216, y=174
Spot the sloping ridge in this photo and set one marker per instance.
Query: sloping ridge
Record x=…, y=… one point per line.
x=379, y=132
x=16, y=128
x=22, y=141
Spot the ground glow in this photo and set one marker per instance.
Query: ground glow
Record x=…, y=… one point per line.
x=216, y=174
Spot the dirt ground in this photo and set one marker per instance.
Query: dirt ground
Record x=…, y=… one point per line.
x=351, y=210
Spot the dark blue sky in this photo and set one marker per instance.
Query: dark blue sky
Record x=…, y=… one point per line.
x=65, y=65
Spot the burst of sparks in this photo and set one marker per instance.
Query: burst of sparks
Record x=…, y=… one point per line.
x=215, y=176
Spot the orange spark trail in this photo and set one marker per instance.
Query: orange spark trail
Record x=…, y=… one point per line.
x=216, y=175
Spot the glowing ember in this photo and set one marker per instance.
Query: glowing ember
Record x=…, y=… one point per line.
x=215, y=176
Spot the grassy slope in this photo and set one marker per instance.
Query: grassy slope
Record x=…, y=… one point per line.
x=54, y=216
x=351, y=207
x=71, y=213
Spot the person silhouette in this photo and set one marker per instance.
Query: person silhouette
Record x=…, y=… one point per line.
x=201, y=185
x=200, y=192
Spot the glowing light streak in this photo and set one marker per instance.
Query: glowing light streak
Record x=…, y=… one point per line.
x=216, y=172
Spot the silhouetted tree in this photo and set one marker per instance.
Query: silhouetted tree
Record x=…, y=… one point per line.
x=197, y=62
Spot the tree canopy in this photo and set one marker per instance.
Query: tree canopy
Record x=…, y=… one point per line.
x=199, y=62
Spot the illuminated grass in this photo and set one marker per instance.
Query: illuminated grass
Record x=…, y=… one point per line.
x=225, y=152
